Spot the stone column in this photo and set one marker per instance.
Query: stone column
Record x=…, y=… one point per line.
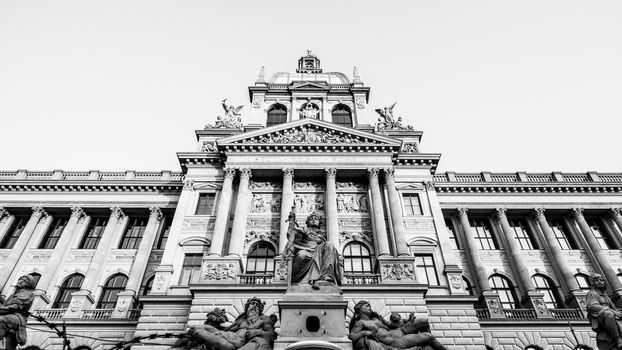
x=601, y=259
x=20, y=246
x=382, y=241
x=238, y=231
x=395, y=210
x=83, y=299
x=332, y=223
x=50, y=273
x=488, y=299
x=127, y=298
x=531, y=297
x=287, y=201
x=222, y=213
x=616, y=215
x=6, y=219
x=164, y=271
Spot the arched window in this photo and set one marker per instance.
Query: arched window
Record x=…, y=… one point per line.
x=70, y=285
x=533, y=347
x=583, y=280
x=505, y=289
x=114, y=285
x=547, y=286
x=277, y=115
x=356, y=258
x=342, y=115
x=260, y=258
x=36, y=276
x=468, y=286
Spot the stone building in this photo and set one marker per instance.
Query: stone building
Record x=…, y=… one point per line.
x=496, y=261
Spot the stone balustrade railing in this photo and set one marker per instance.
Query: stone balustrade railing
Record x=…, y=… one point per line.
x=527, y=177
x=93, y=175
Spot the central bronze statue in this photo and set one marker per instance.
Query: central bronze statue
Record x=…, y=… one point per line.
x=12, y=312
x=605, y=318
x=314, y=259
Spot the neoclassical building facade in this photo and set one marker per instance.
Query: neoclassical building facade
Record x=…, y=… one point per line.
x=494, y=260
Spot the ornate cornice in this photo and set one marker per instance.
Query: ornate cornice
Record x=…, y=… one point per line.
x=527, y=189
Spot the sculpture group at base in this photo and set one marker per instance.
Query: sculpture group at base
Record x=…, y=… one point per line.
x=368, y=330
x=12, y=317
x=604, y=317
x=252, y=330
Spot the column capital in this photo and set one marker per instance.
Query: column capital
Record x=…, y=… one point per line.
x=614, y=212
x=39, y=211
x=246, y=172
x=77, y=212
x=576, y=213
x=189, y=184
x=3, y=213
x=330, y=172
x=429, y=185
x=462, y=211
x=229, y=172
x=538, y=212
x=156, y=212
x=389, y=172
x=500, y=212
x=288, y=172
x=372, y=172
x=116, y=213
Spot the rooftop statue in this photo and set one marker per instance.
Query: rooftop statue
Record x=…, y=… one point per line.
x=368, y=330
x=12, y=317
x=388, y=121
x=604, y=318
x=232, y=118
x=309, y=111
x=252, y=330
x=314, y=259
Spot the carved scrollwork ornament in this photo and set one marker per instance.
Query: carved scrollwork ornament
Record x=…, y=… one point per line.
x=330, y=172
x=462, y=211
x=288, y=172
x=3, y=213
x=389, y=172
x=576, y=213
x=372, y=172
x=229, y=172
x=429, y=185
x=77, y=212
x=39, y=211
x=156, y=212
x=189, y=184
x=116, y=213
x=615, y=213
x=246, y=172
x=500, y=212
x=538, y=212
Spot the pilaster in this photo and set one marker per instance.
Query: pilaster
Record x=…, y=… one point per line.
x=332, y=224
x=287, y=201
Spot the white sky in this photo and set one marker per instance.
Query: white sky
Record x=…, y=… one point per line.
x=494, y=85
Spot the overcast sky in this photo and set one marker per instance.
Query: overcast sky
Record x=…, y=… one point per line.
x=494, y=85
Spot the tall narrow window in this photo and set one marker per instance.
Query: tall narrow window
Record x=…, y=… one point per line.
x=160, y=242
x=426, y=271
x=276, y=115
x=342, y=115
x=356, y=258
x=483, y=234
x=113, y=286
x=504, y=289
x=16, y=229
x=412, y=206
x=601, y=234
x=562, y=236
x=452, y=234
x=583, y=280
x=522, y=234
x=53, y=233
x=205, y=204
x=191, y=270
x=260, y=258
x=69, y=286
x=544, y=285
x=94, y=233
x=133, y=233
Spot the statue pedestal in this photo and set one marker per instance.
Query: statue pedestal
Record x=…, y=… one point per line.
x=308, y=316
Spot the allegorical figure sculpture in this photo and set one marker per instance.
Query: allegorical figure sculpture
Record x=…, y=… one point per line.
x=368, y=330
x=232, y=118
x=604, y=318
x=252, y=330
x=314, y=259
x=12, y=317
x=388, y=121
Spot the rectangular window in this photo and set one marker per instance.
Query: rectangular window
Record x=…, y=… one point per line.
x=426, y=271
x=601, y=234
x=94, y=233
x=53, y=233
x=206, y=204
x=16, y=229
x=483, y=234
x=160, y=242
x=191, y=269
x=133, y=233
x=452, y=234
x=412, y=206
x=522, y=234
x=561, y=235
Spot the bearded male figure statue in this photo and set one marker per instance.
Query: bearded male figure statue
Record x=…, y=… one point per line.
x=12, y=317
x=605, y=318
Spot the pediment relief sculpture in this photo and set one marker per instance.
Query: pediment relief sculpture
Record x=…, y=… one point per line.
x=305, y=134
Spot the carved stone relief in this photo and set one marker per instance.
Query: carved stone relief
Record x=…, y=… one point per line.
x=409, y=148
x=39, y=256
x=121, y=256
x=263, y=224
x=219, y=271
x=419, y=224
x=397, y=272
x=197, y=224
x=265, y=203
x=316, y=186
x=305, y=134
x=259, y=186
x=354, y=224
x=365, y=236
x=307, y=203
x=351, y=186
x=271, y=236
x=351, y=203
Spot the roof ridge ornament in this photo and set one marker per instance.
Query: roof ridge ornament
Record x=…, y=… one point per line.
x=232, y=118
x=388, y=121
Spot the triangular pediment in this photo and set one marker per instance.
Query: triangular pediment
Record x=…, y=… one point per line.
x=310, y=133
x=309, y=85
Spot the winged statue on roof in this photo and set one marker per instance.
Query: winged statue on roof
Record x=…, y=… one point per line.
x=232, y=118
x=388, y=121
